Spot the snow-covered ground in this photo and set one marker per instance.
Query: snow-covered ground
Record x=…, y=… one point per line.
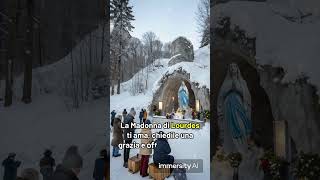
x=197, y=148
x=45, y=123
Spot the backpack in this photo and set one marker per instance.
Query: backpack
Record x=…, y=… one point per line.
x=179, y=174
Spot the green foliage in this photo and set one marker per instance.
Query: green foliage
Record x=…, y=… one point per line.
x=158, y=112
x=307, y=165
x=121, y=14
x=272, y=164
x=207, y=114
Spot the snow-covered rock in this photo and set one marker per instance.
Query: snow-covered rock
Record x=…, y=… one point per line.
x=176, y=59
x=184, y=47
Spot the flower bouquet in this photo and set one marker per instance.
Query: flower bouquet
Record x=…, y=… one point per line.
x=307, y=166
x=271, y=165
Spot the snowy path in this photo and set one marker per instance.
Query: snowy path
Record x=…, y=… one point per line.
x=197, y=148
x=46, y=123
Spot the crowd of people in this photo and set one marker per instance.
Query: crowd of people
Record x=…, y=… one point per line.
x=68, y=169
x=161, y=152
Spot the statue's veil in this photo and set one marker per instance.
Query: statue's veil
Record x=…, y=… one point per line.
x=239, y=84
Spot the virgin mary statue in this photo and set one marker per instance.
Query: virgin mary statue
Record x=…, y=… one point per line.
x=234, y=111
x=183, y=96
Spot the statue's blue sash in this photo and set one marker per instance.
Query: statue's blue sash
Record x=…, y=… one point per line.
x=235, y=113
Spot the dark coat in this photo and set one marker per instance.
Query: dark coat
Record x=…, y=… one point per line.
x=128, y=120
x=141, y=114
x=162, y=151
x=99, y=169
x=63, y=173
x=46, y=165
x=117, y=137
x=113, y=115
x=10, y=169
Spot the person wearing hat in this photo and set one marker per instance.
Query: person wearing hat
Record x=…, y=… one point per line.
x=10, y=167
x=70, y=167
x=124, y=113
x=113, y=115
x=117, y=136
x=145, y=152
x=129, y=119
x=47, y=164
x=99, y=166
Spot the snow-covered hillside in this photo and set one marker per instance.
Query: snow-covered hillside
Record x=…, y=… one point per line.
x=84, y=61
x=50, y=121
x=182, y=149
x=199, y=72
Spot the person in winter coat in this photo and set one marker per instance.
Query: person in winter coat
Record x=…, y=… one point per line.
x=117, y=136
x=10, y=167
x=141, y=115
x=29, y=174
x=162, y=151
x=128, y=140
x=145, y=115
x=70, y=167
x=47, y=164
x=113, y=115
x=145, y=152
x=124, y=113
x=99, y=166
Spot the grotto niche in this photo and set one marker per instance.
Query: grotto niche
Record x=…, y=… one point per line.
x=261, y=113
x=167, y=93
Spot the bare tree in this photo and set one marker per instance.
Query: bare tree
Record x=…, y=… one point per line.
x=27, y=86
x=11, y=51
x=157, y=49
x=203, y=19
x=149, y=39
x=166, y=50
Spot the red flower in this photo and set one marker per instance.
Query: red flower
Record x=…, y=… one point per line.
x=265, y=165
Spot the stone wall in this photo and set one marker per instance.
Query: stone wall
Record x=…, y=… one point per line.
x=296, y=103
